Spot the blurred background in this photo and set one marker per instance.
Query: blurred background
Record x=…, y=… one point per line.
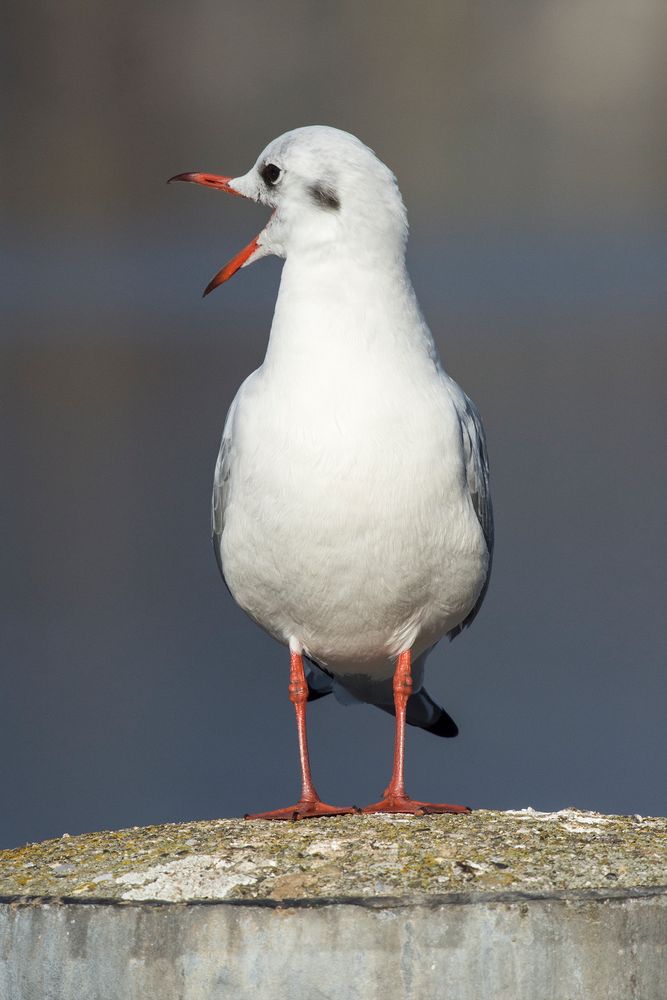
x=529, y=143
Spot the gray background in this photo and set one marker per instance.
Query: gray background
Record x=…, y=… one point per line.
x=528, y=140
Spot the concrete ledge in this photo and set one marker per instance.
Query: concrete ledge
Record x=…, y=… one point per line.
x=581, y=948
x=508, y=925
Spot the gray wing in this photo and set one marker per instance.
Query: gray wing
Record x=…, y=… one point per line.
x=221, y=485
x=477, y=476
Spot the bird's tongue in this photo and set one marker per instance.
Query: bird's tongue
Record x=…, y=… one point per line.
x=243, y=256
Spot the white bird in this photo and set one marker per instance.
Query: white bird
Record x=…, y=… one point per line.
x=351, y=509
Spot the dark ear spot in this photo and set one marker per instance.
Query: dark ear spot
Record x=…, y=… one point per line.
x=324, y=196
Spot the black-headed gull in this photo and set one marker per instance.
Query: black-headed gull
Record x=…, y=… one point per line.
x=351, y=509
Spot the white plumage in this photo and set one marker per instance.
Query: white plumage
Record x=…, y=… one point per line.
x=351, y=513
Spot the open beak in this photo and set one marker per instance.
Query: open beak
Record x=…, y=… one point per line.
x=243, y=256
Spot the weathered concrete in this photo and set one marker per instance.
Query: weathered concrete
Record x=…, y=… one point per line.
x=523, y=906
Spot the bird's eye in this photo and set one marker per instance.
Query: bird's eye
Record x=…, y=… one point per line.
x=270, y=173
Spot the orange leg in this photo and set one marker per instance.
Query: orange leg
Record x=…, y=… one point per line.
x=394, y=798
x=310, y=804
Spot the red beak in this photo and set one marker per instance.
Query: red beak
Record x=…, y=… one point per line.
x=207, y=180
x=220, y=184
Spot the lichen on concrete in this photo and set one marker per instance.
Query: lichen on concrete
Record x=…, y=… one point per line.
x=345, y=856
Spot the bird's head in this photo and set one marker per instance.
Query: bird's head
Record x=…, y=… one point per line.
x=329, y=194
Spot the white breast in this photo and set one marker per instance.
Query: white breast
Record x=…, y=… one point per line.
x=348, y=524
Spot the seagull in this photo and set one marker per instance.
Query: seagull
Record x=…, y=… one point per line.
x=352, y=515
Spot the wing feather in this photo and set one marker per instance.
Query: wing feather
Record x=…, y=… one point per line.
x=477, y=477
x=221, y=482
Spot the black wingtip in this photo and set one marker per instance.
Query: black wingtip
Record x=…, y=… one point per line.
x=443, y=726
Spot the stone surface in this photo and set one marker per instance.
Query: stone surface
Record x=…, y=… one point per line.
x=491, y=906
x=346, y=856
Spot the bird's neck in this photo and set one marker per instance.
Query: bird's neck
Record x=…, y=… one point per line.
x=336, y=312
